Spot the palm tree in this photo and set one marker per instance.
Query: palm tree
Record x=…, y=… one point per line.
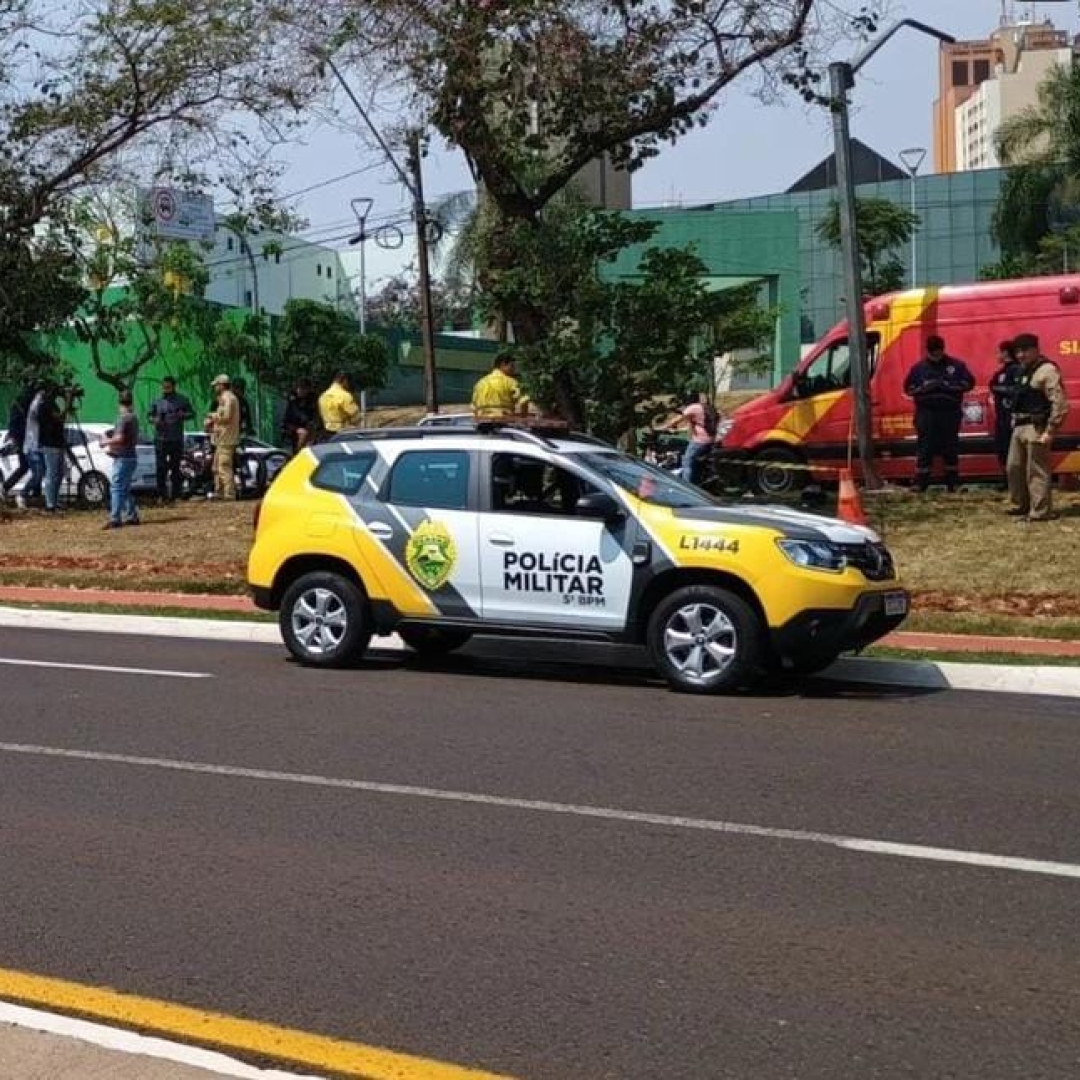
x=1048, y=132
x=1040, y=145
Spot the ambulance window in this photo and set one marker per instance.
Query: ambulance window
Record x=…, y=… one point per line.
x=832, y=369
x=434, y=478
x=525, y=485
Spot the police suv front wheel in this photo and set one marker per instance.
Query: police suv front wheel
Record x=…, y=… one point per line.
x=324, y=620
x=705, y=640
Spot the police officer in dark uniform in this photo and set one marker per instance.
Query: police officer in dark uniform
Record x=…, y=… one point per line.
x=1003, y=384
x=938, y=385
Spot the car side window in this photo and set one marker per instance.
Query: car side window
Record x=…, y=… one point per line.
x=526, y=485
x=343, y=473
x=431, y=478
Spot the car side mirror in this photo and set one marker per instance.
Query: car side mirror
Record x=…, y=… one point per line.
x=598, y=504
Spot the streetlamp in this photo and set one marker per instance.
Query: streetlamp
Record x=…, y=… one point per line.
x=912, y=158
x=841, y=80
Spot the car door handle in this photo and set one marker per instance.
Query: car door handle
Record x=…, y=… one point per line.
x=501, y=539
x=380, y=530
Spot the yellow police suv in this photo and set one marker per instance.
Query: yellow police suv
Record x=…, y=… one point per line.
x=439, y=533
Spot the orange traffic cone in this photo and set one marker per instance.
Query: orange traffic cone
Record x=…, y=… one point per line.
x=849, y=505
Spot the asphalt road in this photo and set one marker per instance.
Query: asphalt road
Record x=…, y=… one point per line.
x=525, y=934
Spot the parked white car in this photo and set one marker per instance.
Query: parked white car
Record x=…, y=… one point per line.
x=87, y=466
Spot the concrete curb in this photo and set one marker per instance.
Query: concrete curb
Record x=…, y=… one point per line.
x=910, y=674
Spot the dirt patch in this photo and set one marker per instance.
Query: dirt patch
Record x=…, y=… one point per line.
x=1024, y=605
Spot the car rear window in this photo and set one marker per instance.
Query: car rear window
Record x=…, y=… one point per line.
x=343, y=473
x=431, y=478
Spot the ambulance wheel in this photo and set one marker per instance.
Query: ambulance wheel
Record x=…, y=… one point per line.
x=433, y=640
x=324, y=620
x=775, y=472
x=705, y=640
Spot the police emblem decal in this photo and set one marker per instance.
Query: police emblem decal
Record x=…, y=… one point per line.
x=431, y=554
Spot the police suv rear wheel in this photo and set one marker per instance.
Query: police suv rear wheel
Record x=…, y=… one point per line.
x=705, y=640
x=433, y=640
x=324, y=620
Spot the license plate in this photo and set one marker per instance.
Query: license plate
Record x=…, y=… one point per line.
x=896, y=603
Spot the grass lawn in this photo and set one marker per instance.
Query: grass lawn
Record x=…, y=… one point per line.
x=971, y=568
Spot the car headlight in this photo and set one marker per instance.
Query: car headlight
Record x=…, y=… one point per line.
x=813, y=555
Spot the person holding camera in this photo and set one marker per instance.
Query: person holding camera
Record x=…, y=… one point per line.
x=45, y=434
x=937, y=385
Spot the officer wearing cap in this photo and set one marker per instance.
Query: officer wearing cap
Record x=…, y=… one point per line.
x=223, y=423
x=1039, y=407
x=937, y=385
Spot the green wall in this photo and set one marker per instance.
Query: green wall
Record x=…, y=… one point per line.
x=736, y=246
x=953, y=242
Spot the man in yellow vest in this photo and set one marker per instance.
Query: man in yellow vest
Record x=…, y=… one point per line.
x=337, y=406
x=498, y=393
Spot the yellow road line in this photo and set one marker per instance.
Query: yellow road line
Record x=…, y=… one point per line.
x=223, y=1032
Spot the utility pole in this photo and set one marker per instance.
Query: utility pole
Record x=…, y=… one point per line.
x=414, y=185
x=841, y=80
x=427, y=318
x=361, y=208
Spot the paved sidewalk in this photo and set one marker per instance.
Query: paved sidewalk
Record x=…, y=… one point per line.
x=922, y=642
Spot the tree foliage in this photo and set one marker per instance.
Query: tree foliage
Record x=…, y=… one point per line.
x=532, y=91
x=616, y=344
x=396, y=305
x=316, y=340
x=883, y=226
x=104, y=91
x=135, y=293
x=1039, y=203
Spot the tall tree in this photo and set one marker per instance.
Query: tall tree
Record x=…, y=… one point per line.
x=1040, y=196
x=616, y=344
x=96, y=93
x=534, y=90
x=883, y=227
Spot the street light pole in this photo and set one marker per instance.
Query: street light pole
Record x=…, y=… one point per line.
x=913, y=158
x=841, y=80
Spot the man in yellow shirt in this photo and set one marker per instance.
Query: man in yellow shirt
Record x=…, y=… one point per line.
x=337, y=406
x=498, y=393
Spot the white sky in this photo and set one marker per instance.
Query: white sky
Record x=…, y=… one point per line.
x=747, y=149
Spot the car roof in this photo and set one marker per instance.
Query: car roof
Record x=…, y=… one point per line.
x=455, y=436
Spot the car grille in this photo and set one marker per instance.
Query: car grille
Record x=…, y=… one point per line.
x=873, y=560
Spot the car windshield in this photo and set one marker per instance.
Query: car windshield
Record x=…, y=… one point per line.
x=645, y=482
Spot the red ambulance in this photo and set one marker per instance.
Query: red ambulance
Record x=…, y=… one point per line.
x=800, y=431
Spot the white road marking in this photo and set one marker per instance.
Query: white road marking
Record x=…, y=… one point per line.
x=12, y=662
x=634, y=817
x=128, y=1042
